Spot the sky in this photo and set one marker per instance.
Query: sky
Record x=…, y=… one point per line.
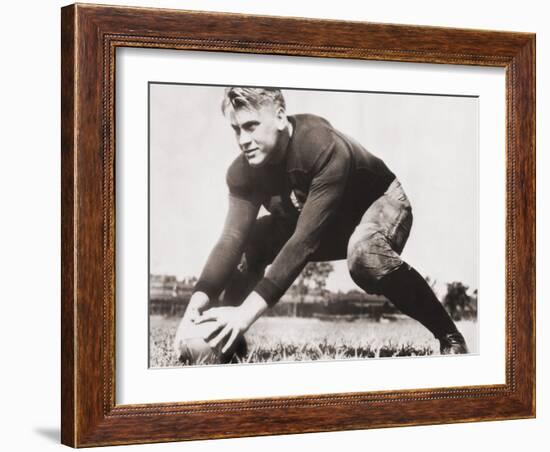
x=429, y=142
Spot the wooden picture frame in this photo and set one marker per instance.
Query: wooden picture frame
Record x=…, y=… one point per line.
x=90, y=36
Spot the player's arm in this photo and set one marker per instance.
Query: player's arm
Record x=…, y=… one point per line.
x=227, y=251
x=330, y=174
x=222, y=261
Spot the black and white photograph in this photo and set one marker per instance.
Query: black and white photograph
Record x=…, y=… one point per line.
x=301, y=225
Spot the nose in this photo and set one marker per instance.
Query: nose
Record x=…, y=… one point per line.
x=244, y=140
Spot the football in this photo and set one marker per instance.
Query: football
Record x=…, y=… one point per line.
x=192, y=348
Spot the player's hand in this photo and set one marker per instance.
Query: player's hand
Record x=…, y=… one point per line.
x=230, y=324
x=197, y=304
x=233, y=321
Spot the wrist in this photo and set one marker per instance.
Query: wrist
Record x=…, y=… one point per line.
x=252, y=308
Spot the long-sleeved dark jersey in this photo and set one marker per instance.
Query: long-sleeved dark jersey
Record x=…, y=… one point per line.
x=324, y=182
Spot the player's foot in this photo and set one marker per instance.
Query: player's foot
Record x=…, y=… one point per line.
x=453, y=344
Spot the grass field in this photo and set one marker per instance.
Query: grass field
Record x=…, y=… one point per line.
x=273, y=339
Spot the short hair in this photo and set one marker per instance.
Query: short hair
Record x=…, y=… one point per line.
x=251, y=98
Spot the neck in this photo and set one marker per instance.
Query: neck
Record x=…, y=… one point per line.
x=290, y=129
x=284, y=141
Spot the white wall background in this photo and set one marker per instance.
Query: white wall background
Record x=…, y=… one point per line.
x=30, y=230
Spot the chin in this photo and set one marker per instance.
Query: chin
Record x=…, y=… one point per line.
x=256, y=163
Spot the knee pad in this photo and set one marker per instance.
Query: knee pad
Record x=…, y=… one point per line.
x=370, y=259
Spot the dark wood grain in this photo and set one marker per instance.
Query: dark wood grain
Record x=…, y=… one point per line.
x=90, y=36
x=68, y=310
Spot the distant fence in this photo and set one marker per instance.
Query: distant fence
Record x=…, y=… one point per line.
x=329, y=308
x=332, y=307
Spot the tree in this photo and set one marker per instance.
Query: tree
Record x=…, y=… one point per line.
x=458, y=303
x=313, y=277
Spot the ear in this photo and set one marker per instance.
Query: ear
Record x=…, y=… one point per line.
x=280, y=115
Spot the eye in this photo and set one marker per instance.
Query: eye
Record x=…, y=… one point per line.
x=249, y=127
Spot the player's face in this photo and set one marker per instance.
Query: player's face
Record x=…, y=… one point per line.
x=258, y=132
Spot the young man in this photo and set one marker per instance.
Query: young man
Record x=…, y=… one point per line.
x=328, y=198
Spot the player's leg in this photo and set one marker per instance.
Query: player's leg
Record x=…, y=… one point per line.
x=376, y=266
x=268, y=236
